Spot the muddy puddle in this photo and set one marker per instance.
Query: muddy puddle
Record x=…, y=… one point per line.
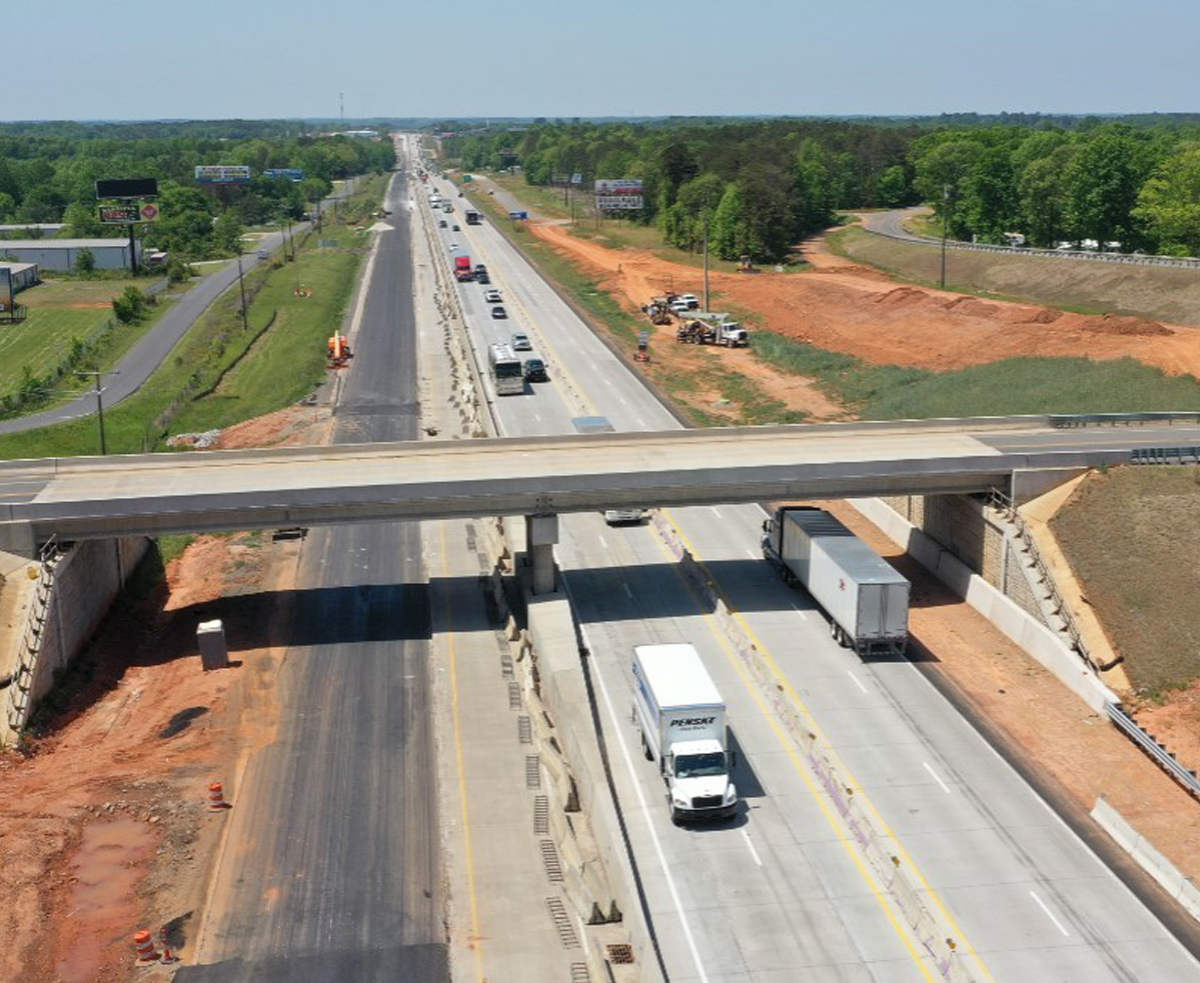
x=104, y=904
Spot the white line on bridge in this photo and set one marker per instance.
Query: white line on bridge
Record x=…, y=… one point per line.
x=858, y=683
x=1049, y=914
x=936, y=777
x=750, y=847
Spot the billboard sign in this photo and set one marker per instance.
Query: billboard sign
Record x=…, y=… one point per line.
x=577, y=178
x=6, y=290
x=291, y=173
x=141, y=187
x=222, y=173
x=119, y=214
x=619, y=195
x=148, y=212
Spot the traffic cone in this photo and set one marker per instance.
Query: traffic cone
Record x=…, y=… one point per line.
x=143, y=945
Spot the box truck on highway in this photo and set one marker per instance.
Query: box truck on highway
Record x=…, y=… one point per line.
x=681, y=717
x=866, y=600
x=462, y=268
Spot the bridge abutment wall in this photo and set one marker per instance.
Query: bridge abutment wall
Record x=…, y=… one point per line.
x=87, y=579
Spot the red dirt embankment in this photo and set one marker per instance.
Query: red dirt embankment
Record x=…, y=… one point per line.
x=859, y=311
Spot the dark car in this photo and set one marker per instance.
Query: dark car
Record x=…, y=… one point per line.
x=442, y=224
x=535, y=370
x=482, y=278
x=499, y=313
x=455, y=228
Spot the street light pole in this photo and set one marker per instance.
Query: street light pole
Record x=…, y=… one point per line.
x=242, y=287
x=99, y=378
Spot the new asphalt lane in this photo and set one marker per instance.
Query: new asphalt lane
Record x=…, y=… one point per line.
x=332, y=868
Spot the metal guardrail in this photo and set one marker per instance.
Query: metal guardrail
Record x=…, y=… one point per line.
x=1169, y=417
x=1166, y=455
x=1182, y=262
x=1002, y=503
x=1164, y=758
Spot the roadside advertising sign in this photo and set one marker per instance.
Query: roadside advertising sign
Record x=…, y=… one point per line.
x=140, y=187
x=119, y=214
x=291, y=173
x=6, y=290
x=559, y=177
x=624, y=194
x=148, y=212
x=577, y=178
x=222, y=173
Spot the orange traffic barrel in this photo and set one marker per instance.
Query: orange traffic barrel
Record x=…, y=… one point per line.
x=143, y=945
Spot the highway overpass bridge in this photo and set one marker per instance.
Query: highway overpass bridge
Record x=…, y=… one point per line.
x=150, y=494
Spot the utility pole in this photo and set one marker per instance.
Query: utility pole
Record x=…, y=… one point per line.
x=99, y=378
x=242, y=287
x=707, y=306
x=945, y=229
x=132, y=250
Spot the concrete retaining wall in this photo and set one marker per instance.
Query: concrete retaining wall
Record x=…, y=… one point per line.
x=86, y=581
x=598, y=876
x=1149, y=859
x=1026, y=631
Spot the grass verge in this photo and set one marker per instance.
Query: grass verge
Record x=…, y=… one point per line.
x=1129, y=535
x=222, y=373
x=1082, y=286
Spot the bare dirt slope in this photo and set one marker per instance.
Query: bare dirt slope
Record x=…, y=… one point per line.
x=858, y=311
x=103, y=825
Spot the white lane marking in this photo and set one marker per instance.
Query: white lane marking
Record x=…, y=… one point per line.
x=715, y=511
x=750, y=553
x=628, y=591
x=858, y=683
x=750, y=847
x=641, y=797
x=603, y=541
x=796, y=608
x=1049, y=913
x=936, y=777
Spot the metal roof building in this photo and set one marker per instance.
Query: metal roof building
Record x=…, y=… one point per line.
x=61, y=254
x=23, y=274
x=20, y=231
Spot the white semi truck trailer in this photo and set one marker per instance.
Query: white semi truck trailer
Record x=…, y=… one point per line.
x=865, y=598
x=681, y=716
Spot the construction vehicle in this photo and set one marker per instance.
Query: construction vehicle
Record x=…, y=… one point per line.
x=706, y=328
x=339, y=352
x=659, y=310
x=745, y=266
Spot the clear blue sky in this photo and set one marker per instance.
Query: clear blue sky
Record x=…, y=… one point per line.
x=84, y=59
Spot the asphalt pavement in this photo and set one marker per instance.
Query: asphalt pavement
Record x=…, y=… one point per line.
x=332, y=868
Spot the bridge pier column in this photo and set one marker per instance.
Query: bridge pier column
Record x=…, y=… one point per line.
x=541, y=535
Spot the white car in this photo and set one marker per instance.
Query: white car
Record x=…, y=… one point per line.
x=617, y=517
x=492, y=296
x=679, y=307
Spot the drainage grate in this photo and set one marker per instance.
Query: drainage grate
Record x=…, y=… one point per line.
x=524, y=730
x=506, y=662
x=514, y=695
x=562, y=923
x=550, y=860
x=620, y=954
x=533, y=771
x=541, y=815
x=580, y=974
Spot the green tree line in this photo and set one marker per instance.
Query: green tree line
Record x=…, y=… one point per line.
x=49, y=176
x=758, y=187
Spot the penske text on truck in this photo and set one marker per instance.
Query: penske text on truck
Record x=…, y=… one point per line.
x=682, y=719
x=866, y=600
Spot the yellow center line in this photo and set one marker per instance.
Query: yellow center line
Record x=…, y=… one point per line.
x=860, y=792
x=476, y=940
x=817, y=794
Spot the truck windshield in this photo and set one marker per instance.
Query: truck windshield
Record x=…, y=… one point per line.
x=700, y=765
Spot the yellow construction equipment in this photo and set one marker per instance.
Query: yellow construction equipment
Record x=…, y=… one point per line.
x=339, y=352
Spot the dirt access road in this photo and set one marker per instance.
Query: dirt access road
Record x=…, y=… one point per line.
x=859, y=311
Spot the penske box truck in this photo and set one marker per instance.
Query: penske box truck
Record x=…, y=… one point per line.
x=865, y=598
x=681, y=716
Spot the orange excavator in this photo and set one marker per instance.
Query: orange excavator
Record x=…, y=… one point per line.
x=339, y=352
